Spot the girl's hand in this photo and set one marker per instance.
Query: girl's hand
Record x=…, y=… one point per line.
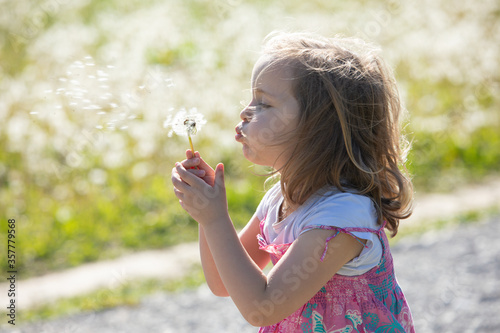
x=203, y=197
x=198, y=167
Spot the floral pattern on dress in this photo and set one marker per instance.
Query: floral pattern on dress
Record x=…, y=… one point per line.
x=319, y=326
x=370, y=302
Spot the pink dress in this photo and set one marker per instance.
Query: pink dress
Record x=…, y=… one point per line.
x=370, y=302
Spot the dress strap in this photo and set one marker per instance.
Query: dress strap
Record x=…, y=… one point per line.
x=345, y=229
x=384, y=222
x=349, y=231
x=338, y=230
x=261, y=224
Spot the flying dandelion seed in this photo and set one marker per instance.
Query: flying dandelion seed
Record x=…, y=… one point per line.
x=96, y=91
x=185, y=123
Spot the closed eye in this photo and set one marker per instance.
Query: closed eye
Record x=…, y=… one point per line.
x=258, y=106
x=251, y=110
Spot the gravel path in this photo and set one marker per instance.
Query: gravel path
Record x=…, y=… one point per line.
x=451, y=279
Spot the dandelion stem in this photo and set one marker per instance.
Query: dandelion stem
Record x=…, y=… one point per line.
x=192, y=148
x=191, y=143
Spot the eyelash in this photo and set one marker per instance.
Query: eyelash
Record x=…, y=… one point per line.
x=260, y=105
x=255, y=108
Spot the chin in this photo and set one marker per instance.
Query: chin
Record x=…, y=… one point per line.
x=248, y=153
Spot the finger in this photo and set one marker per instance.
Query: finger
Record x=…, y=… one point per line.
x=188, y=177
x=178, y=194
x=197, y=172
x=178, y=182
x=219, y=175
x=189, y=154
x=202, y=164
x=175, y=176
x=183, y=205
x=191, y=162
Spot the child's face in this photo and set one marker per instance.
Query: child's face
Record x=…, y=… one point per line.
x=271, y=117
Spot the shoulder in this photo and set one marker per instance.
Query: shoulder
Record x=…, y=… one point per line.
x=341, y=209
x=346, y=211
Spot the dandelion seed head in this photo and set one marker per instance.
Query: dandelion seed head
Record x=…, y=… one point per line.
x=190, y=125
x=184, y=122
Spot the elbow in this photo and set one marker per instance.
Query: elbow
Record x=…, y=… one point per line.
x=261, y=318
x=256, y=319
x=267, y=311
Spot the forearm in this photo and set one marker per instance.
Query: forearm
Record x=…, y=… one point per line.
x=243, y=279
x=209, y=269
x=240, y=274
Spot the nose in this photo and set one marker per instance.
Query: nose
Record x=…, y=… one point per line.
x=245, y=114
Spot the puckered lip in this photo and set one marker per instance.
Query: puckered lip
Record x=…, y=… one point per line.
x=239, y=135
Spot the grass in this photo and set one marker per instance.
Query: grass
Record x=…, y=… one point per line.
x=447, y=159
x=129, y=293
x=68, y=233
x=462, y=219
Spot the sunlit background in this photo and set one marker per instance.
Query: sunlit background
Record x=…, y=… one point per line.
x=86, y=85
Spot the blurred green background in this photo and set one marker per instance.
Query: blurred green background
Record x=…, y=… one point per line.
x=85, y=87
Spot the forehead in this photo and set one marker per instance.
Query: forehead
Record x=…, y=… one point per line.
x=272, y=77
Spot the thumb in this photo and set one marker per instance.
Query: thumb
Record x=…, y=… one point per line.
x=219, y=175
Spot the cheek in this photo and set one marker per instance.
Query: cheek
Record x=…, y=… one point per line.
x=265, y=136
x=279, y=125
x=261, y=132
x=279, y=129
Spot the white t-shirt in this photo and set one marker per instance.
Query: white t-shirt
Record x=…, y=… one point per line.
x=329, y=208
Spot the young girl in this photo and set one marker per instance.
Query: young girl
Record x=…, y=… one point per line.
x=324, y=115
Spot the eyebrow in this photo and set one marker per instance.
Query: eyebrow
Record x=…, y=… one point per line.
x=259, y=90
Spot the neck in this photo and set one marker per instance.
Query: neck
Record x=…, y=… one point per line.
x=286, y=209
